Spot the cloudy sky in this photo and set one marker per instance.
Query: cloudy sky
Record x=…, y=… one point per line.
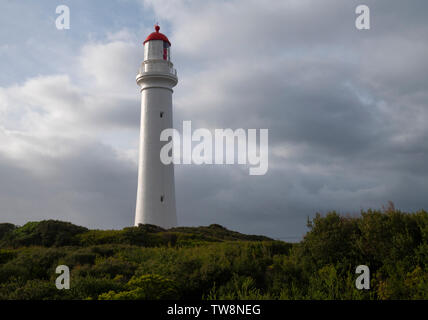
x=346, y=109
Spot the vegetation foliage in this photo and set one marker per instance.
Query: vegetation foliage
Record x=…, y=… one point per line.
x=148, y=262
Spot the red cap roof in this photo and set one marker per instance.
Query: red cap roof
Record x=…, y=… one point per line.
x=157, y=36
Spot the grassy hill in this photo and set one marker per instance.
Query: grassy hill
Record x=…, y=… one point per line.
x=52, y=233
x=212, y=262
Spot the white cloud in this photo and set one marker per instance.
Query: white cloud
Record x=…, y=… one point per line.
x=58, y=129
x=113, y=65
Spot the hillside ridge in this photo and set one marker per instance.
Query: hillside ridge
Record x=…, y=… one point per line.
x=58, y=233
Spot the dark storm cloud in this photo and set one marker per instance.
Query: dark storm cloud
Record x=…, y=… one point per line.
x=348, y=108
x=87, y=185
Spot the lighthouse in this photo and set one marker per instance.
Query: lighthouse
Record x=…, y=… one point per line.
x=156, y=78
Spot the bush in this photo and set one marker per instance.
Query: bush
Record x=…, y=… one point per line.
x=36, y=290
x=147, y=262
x=90, y=287
x=146, y=287
x=6, y=255
x=44, y=233
x=6, y=228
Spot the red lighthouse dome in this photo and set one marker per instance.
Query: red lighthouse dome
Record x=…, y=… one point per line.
x=157, y=36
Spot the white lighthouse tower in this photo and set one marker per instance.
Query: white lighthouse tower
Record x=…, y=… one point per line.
x=156, y=78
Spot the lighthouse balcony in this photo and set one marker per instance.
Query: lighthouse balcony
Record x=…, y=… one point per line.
x=156, y=67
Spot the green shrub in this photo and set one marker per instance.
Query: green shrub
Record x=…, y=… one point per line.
x=147, y=262
x=145, y=287
x=90, y=287
x=6, y=228
x=6, y=255
x=44, y=233
x=36, y=290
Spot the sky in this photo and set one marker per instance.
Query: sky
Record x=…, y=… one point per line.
x=346, y=109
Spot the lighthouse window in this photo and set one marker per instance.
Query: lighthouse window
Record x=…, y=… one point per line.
x=161, y=198
x=165, y=50
x=161, y=114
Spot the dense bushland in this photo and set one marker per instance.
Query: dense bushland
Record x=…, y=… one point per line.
x=148, y=262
